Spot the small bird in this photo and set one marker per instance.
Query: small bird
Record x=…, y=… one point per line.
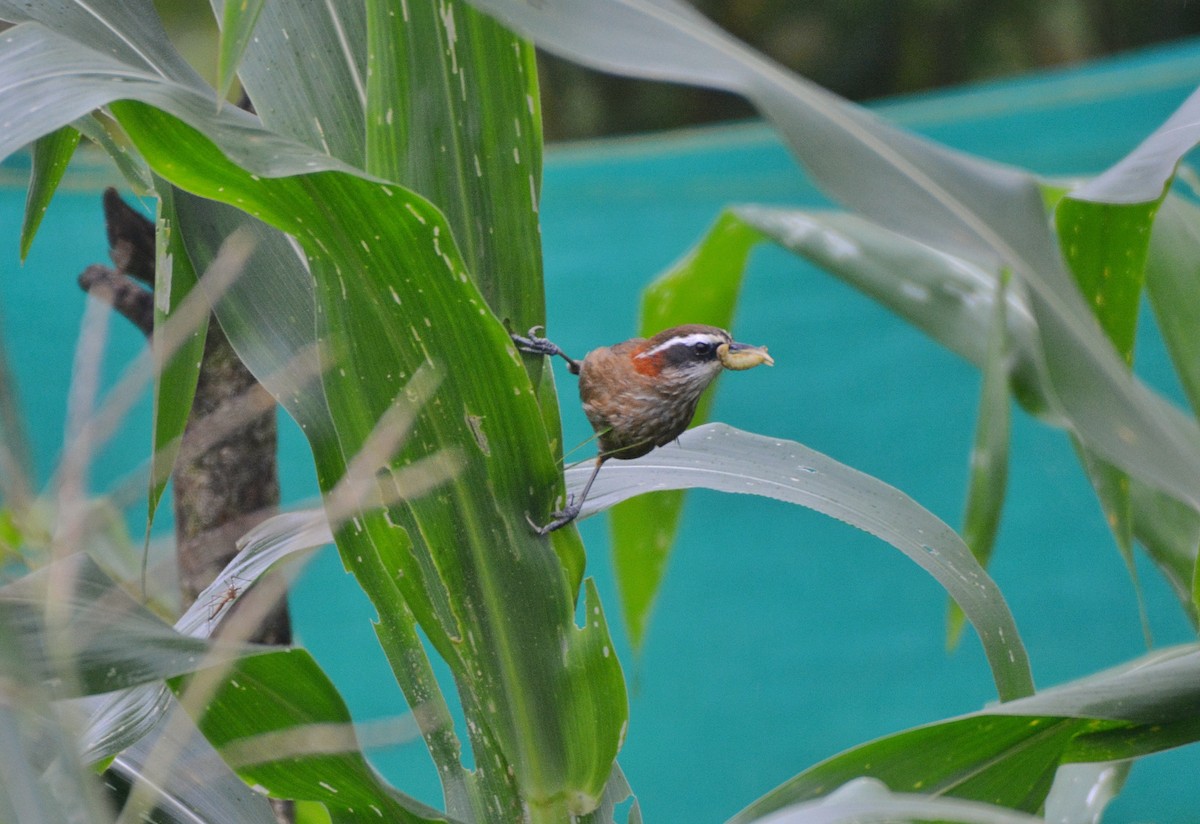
x=642, y=393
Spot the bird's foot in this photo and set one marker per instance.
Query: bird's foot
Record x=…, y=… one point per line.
x=534, y=344
x=561, y=518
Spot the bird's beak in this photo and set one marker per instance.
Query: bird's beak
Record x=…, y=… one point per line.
x=739, y=356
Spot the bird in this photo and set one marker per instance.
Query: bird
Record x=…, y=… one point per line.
x=642, y=393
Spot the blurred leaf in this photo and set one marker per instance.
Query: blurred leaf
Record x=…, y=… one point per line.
x=1143, y=175
x=865, y=799
x=1105, y=246
x=283, y=726
x=1173, y=287
x=237, y=26
x=716, y=456
x=94, y=633
x=51, y=154
x=178, y=372
x=1008, y=754
x=200, y=787
x=701, y=288
x=533, y=669
x=1081, y=792
x=129, y=32
x=948, y=298
x=122, y=718
x=989, y=453
x=95, y=127
x=41, y=778
x=1170, y=533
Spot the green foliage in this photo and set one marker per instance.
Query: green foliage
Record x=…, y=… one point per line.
x=51, y=154
x=366, y=241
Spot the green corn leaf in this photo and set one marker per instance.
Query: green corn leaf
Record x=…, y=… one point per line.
x=989, y=453
x=237, y=26
x=178, y=371
x=377, y=328
x=283, y=727
x=51, y=154
x=716, y=456
x=1008, y=755
x=1105, y=246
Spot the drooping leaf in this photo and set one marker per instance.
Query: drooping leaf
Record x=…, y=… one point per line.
x=1008, y=755
x=46, y=64
x=1173, y=287
x=866, y=799
x=282, y=726
x=95, y=635
x=51, y=154
x=988, y=478
x=41, y=778
x=237, y=26
x=1105, y=246
x=130, y=31
x=177, y=371
x=201, y=787
x=701, y=288
x=1143, y=175
x=948, y=298
x=716, y=456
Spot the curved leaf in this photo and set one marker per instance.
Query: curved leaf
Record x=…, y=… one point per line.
x=177, y=372
x=1009, y=754
x=97, y=634
x=716, y=456
x=237, y=26
x=1142, y=176
x=865, y=800
x=284, y=728
x=988, y=478
x=130, y=31
x=201, y=789
x=51, y=154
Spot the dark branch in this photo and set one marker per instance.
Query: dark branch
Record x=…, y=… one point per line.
x=128, y=297
x=130, y=238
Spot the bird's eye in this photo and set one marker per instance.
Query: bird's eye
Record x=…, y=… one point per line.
x=702, y=349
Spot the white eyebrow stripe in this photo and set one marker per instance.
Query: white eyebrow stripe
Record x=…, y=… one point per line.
x=686, y=340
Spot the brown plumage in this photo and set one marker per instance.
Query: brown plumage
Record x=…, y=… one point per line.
x=642, y=393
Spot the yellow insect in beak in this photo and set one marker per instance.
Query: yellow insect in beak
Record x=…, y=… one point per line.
x=741, y=356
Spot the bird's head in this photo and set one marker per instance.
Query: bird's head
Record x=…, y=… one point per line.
x=693, y=355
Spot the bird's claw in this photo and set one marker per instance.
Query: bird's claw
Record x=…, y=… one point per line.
x=560, y=518
x=533, y=344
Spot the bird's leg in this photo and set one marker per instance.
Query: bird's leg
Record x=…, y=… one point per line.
x=571, y=511
x=540, y=346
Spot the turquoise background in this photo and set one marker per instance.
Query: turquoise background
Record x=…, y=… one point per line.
x=780, y=637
